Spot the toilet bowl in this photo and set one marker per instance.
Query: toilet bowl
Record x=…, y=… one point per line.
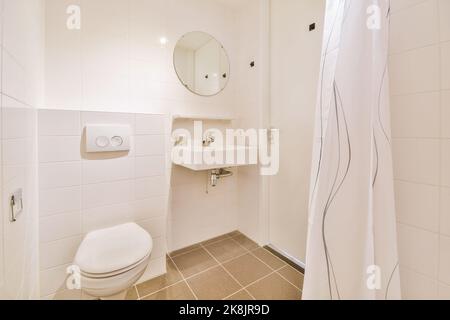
x=112, y=260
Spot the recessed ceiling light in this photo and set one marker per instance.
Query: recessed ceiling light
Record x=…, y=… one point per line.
x=163, y=41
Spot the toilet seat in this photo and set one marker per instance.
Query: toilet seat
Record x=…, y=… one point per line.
x=113, y=250
x=115, y=273
x=111, y=286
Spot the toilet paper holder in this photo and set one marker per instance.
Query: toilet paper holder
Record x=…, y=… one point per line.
x=16, y=204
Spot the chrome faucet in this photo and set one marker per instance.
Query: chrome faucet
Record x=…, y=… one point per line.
x=209, y=139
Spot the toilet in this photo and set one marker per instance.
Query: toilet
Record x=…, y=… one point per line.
x=112, y=260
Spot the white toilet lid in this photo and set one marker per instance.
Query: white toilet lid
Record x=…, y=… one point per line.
x=109, y=250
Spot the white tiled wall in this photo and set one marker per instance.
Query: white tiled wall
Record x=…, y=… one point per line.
x=293, y=96
x=21, y=46
x=81, y=192
x=249, y=22
x=198, y=211
x=420, y=87
x=116, y=63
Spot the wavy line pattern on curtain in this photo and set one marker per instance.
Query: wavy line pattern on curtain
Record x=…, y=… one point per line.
x=352, y=241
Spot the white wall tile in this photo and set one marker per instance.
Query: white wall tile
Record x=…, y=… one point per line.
x=53, y=280
x=156, y=227
x=14, y=77
x=16, y=122
x=445, y=122
x=150, y=208
x=54, y=201
x=445, y=211
x=419, y=250
x=444, y=260
x=99, y=171
x=397, y=5
x=59, y=149
x=145, y=85
x=60, y=226
x=444, y=12
x=407, y=34
x=150, y=145
x=63, y=76
x=417, y=287
x=105, y=55
x=445, y=73
x=59, y=123
x=159, y=248
x=150, y=124
x=423, y=212
x=59, y=252
x=417, y=160
x=107, y=118
x=106, y=217
x=15, y=152
x=445, y=153
x=415, y=71
x=419, y=71
x=147, y=25
x=416, y=115
x=59, y=175
x=105, y=194
x=150, y=187
x=150, y=166
x=444, y=291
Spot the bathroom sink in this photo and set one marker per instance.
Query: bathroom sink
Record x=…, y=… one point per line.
x=204, y=166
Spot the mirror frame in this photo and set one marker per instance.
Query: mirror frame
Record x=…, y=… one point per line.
x=181, y=80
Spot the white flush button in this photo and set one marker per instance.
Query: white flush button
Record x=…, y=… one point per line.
x=102, y=142
x=108, y=138
x=116, y=141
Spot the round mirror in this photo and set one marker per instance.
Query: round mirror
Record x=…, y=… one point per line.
x=201, y=63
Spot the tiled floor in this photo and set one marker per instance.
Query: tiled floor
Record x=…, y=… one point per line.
x=230, y=267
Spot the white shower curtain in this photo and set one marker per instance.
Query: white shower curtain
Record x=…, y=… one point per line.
x=352, y=241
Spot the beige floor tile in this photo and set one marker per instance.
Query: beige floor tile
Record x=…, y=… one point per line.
x=131, y=294
x=235, y=233
x=216, y=239
x=274, y=287
x=210, y=281
x=194, y=262
x=179, y=291
x=246, y=242
x=214, y=284
x=241, y=295
x=226, y=250
x=247, y=269
x=171, y=277
x=184, y=250
x=293, y=276
x=274, y=262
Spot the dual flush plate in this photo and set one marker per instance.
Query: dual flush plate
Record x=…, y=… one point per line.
x=108, y=138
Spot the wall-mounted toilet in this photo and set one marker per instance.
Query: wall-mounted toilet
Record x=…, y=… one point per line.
x=112, y=260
